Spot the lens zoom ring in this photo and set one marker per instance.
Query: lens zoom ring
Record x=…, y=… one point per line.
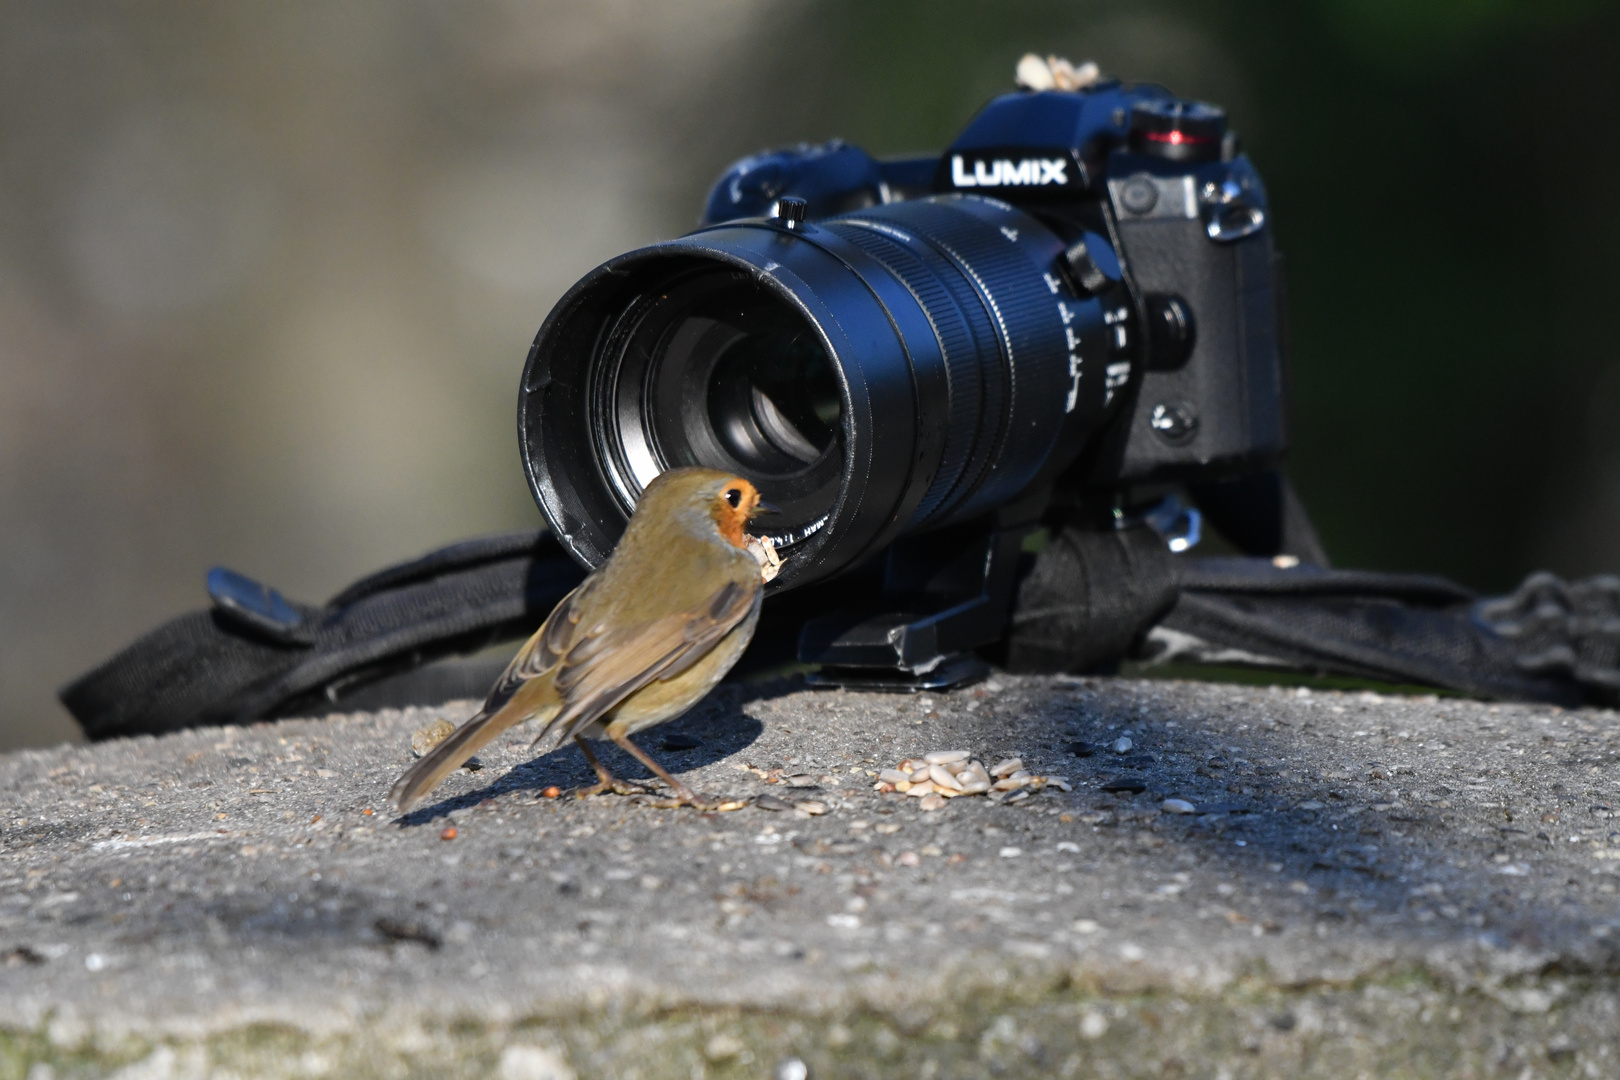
x=1037, y=376
x=950, y=310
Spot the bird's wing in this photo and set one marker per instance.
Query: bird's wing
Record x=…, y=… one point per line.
x=609, y=664
x=539, y=654
x=590, y=674
x=542, y=651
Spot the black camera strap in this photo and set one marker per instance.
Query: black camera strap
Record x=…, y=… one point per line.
x=1088, y=600
x=1094, y=596
x=253, y=655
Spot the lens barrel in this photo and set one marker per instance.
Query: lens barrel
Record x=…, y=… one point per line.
x=882, y=372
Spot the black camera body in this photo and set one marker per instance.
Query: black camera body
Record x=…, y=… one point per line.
x=1073, y=311
x=1176, y=219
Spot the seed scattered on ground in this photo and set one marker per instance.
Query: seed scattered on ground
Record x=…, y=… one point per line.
x=1178, y=806
x=805, y=807
x=947, y=774
x=448, y=834
x=551, y=792
x=427, y=738
x=1123, y=745
x=435, y=733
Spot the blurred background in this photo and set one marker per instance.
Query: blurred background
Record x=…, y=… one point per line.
x=268, y=272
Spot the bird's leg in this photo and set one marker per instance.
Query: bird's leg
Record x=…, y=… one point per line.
x=683, y=794
x=606, y=780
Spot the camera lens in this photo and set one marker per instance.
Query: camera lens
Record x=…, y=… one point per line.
x=719, y=371
x=899, y=368
x=709, y=367
x=773, y=402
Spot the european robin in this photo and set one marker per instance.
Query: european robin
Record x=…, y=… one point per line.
x=640, y=641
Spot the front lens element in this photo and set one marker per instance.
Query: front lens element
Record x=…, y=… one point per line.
x=773, y=401
x=714, y=369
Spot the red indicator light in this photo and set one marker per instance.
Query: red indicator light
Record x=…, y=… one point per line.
x=1175, y=138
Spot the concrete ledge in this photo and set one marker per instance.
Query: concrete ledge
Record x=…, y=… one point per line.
x=1378, y=885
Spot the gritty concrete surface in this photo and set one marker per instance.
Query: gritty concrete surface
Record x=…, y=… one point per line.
x=1373, y=885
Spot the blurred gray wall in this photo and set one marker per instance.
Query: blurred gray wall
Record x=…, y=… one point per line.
x=268, y=271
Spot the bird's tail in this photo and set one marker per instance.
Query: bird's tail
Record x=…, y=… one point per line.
x=451, y=754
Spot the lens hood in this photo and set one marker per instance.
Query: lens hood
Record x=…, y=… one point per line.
x=886, y=371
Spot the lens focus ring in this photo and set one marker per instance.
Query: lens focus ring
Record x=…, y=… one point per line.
x=950, y=312
x=1018, y=357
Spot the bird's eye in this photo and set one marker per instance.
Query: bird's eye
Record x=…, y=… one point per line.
x=734, y=497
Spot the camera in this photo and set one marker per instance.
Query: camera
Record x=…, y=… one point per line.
x=1069, y=315
x=978, y=385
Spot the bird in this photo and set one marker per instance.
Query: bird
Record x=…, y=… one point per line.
x=642, y=639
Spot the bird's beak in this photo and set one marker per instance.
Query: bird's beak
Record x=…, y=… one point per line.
x=762, y=507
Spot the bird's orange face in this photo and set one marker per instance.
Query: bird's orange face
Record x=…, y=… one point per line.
x=736, y=502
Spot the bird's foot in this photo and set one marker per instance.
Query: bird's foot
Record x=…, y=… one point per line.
x=670, y=802
x=616, y=786
x=685, y=796
x=680, y=794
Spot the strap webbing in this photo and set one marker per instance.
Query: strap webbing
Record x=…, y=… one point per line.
x=1093, y=598
x=1087, y=600
x=210, y=667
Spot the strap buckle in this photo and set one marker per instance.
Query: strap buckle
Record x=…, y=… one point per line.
x=255, y=605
